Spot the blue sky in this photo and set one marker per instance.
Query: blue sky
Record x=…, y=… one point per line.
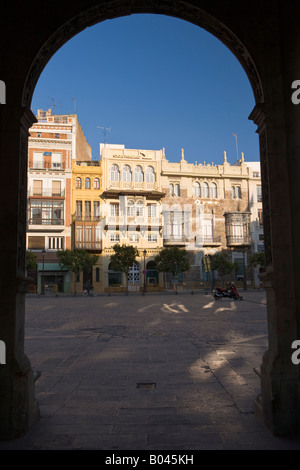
x=157, y=82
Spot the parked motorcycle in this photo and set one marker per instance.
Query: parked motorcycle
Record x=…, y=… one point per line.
x=230, y=292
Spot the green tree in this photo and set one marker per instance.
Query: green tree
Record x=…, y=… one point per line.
x=76, y=261
x=30, y=260
x=123, y=259
x=221, y=262
x=173, y=260
x=257, y=259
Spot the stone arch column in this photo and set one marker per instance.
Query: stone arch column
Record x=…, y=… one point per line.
x=279, y=400
x=18, y=407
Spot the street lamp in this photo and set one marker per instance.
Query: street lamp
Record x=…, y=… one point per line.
x=43, y=275
x=144, y=272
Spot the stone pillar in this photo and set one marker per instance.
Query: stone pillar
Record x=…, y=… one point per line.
x=18, y=407
x=279, y=402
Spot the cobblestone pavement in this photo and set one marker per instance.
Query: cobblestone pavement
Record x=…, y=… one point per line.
x=153, y=372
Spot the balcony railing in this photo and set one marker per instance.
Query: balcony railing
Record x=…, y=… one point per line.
x=87, y=218
x=40, y=221
x=91, y=246
x=46, y=165
x=133, y=185
x=208, y=240
x=46, y=192
x=233, y=240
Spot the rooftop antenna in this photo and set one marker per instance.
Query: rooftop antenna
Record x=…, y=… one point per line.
x=105, y=129
x=53, y=104
x=236, y=144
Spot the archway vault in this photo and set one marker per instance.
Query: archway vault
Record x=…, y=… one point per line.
x=101, y=11
x=265, y=38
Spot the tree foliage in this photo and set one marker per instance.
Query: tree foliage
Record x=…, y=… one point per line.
x=221, y=262
x=123, y=259
x=172, y=260
x=257, y=259
x=30, y=260
x=76, y=261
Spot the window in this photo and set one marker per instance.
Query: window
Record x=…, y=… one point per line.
x=114, y=173
x=138, y=175
x=171, y=189
x=37, y=187
x=57, y=160
x=196, y=189
x=36, y=243
x=213, y=190
x=236, y=192
x=56, y=188
x=96, y=206
x=126, y=173
x=87, y=183
x=46, y=212
x=255, y=174
x=139, y=209
x=114, y=210
x=56, y=136
x=96, y=183
x=151, y=210
x=130, y=209
x=259, y=193
x=176, y=190
x=87, y=210
x=97, y=274
x=39, y=135
x=78, y=183
x=114, y=237
x=205, y=190
x=260, y=216
x=78, y=213
x=38, y=160
x=150, y=175
x=55, y=243
x=152, y=237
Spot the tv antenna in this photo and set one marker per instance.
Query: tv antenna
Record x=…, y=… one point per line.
x=105, y=129
x=53, y=103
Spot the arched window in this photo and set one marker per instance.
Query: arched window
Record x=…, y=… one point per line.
x=205, y=190
x=78, y=183
x=87, y=183
x=126, y=173
x=138, y=174
x=114, y=173
x=150, y=175
x=96, y=183
x=140, y=208
x=176, y=190
x=213, y=190
x=196, y=189
x=171, y=189
x=130, y=209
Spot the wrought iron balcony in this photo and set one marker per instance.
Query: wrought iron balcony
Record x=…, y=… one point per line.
x=32, y=192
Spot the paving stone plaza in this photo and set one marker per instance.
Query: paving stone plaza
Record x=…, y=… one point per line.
x=152, y=372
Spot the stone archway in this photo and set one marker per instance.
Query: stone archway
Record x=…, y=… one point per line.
x=265, y=39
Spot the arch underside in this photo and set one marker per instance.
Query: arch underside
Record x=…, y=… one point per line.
x=114, y=9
